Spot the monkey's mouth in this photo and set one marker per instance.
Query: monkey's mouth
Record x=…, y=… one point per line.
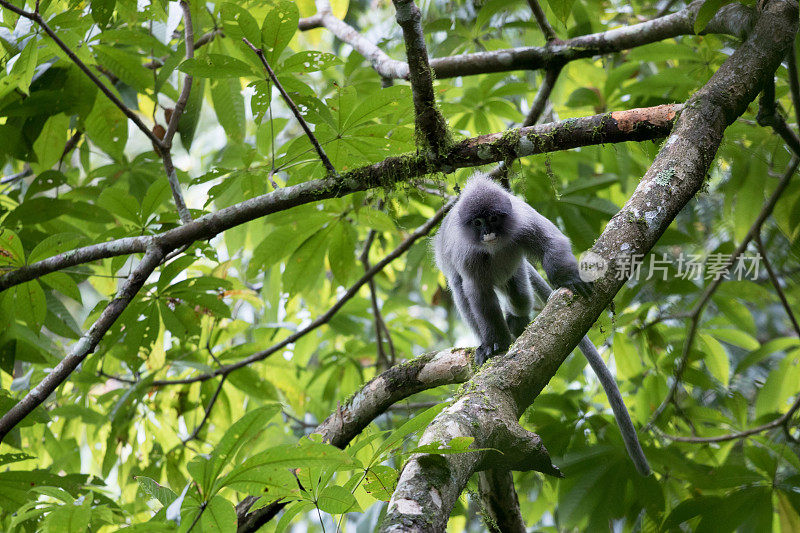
x=490, y=237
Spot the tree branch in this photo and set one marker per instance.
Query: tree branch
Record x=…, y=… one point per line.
x=86, y=344
x=374, y=398
x=697, y=311
x=777, y=284
x=296, y=112
x=506, y=386
x=541, y=20
x=780, y=421
x=430, y=125
x=37, y=18
x=619, y=126
x=325, y=317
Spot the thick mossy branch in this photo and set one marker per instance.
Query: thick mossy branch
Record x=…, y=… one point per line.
x=431, y=127
x=675, y=176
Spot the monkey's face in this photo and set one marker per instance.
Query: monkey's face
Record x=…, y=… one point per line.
x=488, y=228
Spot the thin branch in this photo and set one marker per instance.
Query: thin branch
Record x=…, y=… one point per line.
x=202, y=41
x=37, y=18
x=541, y=20
x=780, y=421
x=85, y=345
x=11, y=178
x=696, y=313
x=78, y=256
x=794, y=83
x=618, y=126
x=296, y=112
x=537, y=107
x=777, y=284
x=381, y=393
x=207, y=413
x=383, y=362
x=430, y=125
x=180, y=105
x=325, y=317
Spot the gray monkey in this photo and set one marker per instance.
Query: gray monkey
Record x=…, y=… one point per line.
x=483, y=247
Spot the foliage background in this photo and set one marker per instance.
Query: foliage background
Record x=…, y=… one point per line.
x=106, y=452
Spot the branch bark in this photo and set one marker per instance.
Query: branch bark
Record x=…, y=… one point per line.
x=506, y=386
x=631, y=125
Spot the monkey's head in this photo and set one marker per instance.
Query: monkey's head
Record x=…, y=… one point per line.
x=485, y=216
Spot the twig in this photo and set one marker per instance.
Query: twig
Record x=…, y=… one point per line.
x=429, y=123
x=780, y=421
x=541, y=20
x=383, y=362
x=11, y=178
x=325, y=317
x=202, y=41
x=537, y=107
x=697, y=311
x=777, y=284
x=296, y=112
x=794, y=83
x=37, y=18
x=85, y=345
x=180, y=105
x=210, y=406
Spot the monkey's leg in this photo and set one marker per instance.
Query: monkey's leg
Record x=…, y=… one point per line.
x=520, y=296
x=491, y=326
x=462, y=303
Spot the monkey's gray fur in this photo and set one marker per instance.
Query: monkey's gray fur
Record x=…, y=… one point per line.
x=483, y=247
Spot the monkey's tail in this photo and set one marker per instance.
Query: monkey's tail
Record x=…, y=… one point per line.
x=608, y=382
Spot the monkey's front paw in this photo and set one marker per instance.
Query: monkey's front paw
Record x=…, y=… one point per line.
x=580, y=287
x=485, y=351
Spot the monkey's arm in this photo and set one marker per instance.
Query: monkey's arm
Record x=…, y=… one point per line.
x=600, y=369
x=544, y=242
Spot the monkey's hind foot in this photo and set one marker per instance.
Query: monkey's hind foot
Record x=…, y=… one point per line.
x=485, y=351
x=517, y=324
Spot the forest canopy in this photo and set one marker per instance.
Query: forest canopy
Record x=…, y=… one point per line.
x=219, y=309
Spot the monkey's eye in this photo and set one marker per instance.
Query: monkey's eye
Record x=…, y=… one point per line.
x=478, y=222
x=493, y=219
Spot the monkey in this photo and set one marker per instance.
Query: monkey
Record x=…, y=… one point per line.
x=483, y=247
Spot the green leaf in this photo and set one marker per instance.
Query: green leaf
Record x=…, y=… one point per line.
x=11, y=251
x=237, y=436
x=335, y=499
x=163, y=494
x=716, y=359
x=735, y=337
x=247, y=380
x=125, y=65
x=626, y=357
x=380, y=482
x=102, y=10
x=259, y=103
x=229, y=107
x=30, y=304
x=707, y=12
x=279, y=27
x=377, y=220
x=187, y=124
x=50, y=144
x=216, y=66
x=411, y=426
x=107, y=127
x=247, y=24
x=120, y=203
x=309, y=61
x=341, y=253
x=305, y=265
x=25, y=66
x=561, y=9
x=219, y=516
x=781, y=384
